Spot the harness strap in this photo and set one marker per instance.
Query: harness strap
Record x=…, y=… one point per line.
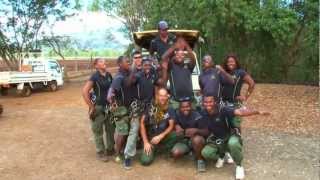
x=235, y=88
x=173, y=86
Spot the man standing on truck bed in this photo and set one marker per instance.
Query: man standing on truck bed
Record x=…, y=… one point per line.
x=100, y=82
x=162, y=42
x=179, y=73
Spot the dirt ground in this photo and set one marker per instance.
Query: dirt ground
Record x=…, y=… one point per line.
x=47, y=136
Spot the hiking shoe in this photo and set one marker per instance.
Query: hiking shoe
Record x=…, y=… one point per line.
x=117, y=159
x=239, y=172
x=127, y=164
x=201, y=166
x=228, y=158
x=219, y=163
x=101, y=156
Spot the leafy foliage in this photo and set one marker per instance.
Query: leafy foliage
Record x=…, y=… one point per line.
x=20, y=25
x=276, y=40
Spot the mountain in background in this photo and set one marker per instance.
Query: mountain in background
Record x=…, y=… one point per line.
x=99, y=40
x=93, y=31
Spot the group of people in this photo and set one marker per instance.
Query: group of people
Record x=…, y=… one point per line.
x=135, y=107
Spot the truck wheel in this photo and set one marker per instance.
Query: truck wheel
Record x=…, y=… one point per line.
x=52, y=86
x=25, y=92
x=4, y=91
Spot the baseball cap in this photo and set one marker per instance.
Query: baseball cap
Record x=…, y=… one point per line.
x=163, y=25
x=146, y=59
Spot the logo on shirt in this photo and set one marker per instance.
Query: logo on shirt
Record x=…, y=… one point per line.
x=213, y=77
x=217, y=120
x=166, y=116
x=234, y=76
x=152, y=79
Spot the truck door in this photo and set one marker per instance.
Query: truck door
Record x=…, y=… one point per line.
x=56, y=72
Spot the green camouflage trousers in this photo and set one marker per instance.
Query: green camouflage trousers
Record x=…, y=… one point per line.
x=128, y=123
x=235, y=121
x=131, y=145
x=100, y=125
x=164, y=146
x=233, y=144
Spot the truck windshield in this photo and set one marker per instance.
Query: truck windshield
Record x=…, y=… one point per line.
x=54, y=66
x=187, y=60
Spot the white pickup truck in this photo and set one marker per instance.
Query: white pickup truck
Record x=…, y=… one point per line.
x=35, y=73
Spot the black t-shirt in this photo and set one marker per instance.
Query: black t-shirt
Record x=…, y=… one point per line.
x=124, y=94
x=180, y=80
x=146, y=85
x=231, y=91
x=155, y=126
x=157, y=45
x=101, y=85
x=219, y=123
x=194, y=120
x=210, y=82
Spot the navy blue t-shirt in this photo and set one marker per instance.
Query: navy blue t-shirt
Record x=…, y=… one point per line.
x=194, y=120
x=146, y=85
x=157, y=45
x=101, y=85
x=219, y=123
x=124, y=94
x=231, y=91
x=180, y=80
x=155, y=127
x=210, y=82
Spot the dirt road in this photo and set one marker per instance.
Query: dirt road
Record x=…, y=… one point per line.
x=47, y=136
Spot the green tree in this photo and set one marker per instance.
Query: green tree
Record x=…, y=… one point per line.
x=21, y=25
x=276, y=40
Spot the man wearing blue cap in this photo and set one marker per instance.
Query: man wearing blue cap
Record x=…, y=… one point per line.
x=162, y=42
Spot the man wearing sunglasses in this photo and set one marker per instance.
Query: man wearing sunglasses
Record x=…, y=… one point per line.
x=137, y=61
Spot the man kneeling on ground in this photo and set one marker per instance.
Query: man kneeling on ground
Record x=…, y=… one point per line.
x=190, y=129
x=156, y=127
x=224, y=137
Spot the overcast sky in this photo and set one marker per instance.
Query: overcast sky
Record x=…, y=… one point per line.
x=86, y=21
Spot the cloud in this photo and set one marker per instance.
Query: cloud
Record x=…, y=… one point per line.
x=84, y=23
